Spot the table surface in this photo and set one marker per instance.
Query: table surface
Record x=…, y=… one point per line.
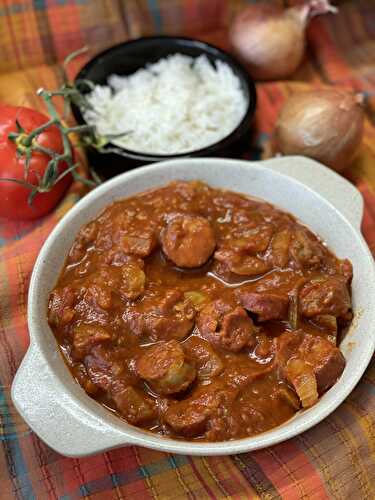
x=335, y=459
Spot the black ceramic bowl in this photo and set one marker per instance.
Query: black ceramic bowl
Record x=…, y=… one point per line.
x=128, y=57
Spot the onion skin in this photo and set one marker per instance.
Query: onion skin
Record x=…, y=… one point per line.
x=271, y=40
x=323, y=124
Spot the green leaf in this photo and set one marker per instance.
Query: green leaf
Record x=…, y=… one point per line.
x=50, y=174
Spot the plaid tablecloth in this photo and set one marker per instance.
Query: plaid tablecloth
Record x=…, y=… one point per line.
x=335, y=459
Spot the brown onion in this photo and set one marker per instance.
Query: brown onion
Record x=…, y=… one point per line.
x=324, y=124
x=271, y=40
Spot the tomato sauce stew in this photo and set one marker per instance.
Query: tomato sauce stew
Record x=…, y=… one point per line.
x=201, y=314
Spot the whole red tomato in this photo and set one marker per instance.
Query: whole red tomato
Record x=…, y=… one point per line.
x=14, y=196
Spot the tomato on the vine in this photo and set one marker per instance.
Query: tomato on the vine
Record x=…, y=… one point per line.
x=14, y=195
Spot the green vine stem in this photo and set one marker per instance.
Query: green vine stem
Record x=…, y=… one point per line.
x=27, y=142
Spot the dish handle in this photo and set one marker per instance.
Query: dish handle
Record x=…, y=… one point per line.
x=333, y=187
x=54, y=415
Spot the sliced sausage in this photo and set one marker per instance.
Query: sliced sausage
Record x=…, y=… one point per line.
x=127, y=281
x=165, y=367
x=80, y=374
x=325, y=296
x=306, y=252
x=267, y=305
x=132, y=404
x=327, y=360
x=98, y=293
x=187, y=419
x=188, y=240
x=242, y=375
x=190, y=417
x=166, y=317
x=99, y=365
x=225, y=326
x=241, y=264
x=87, y=335
x=208, y=363
x=171, y=317
x=118, y=258
x=310, y=363
x=140, y=245
x=250, y=240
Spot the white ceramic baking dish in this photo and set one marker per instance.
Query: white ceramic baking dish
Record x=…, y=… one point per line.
x=72, y=423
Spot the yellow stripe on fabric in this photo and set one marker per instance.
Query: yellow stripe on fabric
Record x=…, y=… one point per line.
x=179, y=476
x=22, y=288
x=165, y=481
x=5, y=307
x=210, y=483
x=354, y=482
x=168, y=487
x=354, y=439
x=363, y=169
x=192, y=481
x=213, y=476
x=227, y=472
x=366, y=422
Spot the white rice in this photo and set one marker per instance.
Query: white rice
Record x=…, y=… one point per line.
x=176, y=105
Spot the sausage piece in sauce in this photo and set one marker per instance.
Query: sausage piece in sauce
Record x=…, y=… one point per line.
x=266, y=305
x=188, y=240
x=310, y=363
x=165, y=368
x=325, y=296
x=225, y=326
